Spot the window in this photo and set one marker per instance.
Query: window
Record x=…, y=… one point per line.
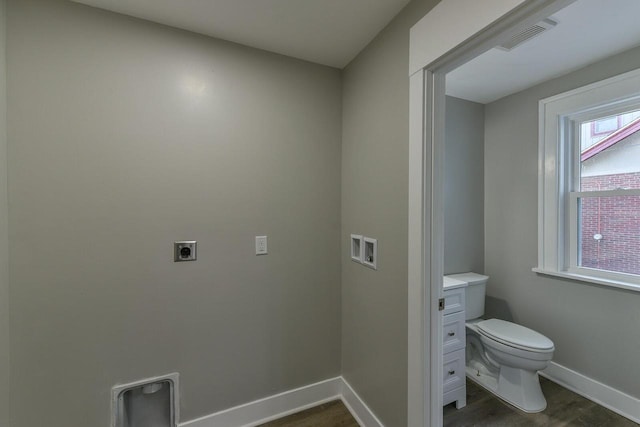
x=604, y=126
x=589, y=188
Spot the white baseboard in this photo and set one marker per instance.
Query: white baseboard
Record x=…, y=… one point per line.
x=292, y=401
x=360, y=411
x=615, y=400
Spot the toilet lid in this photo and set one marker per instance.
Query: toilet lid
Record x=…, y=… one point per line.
x=514, y=335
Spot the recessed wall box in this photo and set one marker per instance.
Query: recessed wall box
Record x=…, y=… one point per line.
x=150, y=402
x=356, y=248
x=370, y=253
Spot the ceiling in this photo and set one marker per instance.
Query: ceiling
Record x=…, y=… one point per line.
x=587, y=31
x=333, y=32
x=329, y=32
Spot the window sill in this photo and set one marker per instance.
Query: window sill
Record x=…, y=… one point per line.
x=589, y=279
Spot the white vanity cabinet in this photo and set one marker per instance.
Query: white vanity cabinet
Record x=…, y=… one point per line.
x=454, y=343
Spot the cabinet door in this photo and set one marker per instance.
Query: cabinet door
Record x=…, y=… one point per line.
x=454, y=370
x=454, y=333
x=453, y=301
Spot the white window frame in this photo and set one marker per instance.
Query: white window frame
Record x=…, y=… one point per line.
x=559, y=175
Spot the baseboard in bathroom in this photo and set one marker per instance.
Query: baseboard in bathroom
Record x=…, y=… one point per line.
x=287, y=403
x=615, y=400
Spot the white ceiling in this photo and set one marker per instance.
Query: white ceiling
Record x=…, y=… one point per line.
x=329, y=32
x=587, y=31
x=332, y=32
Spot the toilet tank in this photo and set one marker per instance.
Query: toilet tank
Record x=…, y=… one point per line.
x=474, y=293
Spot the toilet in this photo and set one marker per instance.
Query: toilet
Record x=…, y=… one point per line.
x=501, y=356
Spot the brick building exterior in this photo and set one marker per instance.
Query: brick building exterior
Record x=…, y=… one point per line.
x=616, y=219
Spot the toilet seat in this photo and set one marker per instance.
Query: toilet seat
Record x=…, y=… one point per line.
x=516, y=336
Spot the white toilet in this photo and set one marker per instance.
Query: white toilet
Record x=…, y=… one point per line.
x=501, y=356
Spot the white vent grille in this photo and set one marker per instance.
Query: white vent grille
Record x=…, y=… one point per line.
x=527, y=34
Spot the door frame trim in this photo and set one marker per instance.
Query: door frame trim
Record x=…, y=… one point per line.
x=458, y=43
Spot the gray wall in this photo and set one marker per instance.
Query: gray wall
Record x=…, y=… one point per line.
x=4, y=245
x=375, y=162
x=595, y=329
x=464, y=187
x=125, y=136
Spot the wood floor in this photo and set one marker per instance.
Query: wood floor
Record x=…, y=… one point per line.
x=332, y=414
x=564, y=409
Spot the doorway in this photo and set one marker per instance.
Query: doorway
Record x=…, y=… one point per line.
x=426, y=223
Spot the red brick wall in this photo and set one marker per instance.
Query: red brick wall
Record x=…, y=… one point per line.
x=617, y=219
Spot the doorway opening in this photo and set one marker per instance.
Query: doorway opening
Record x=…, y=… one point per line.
x=455, y=72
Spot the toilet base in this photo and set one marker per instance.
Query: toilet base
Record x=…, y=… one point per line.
x=517, y=387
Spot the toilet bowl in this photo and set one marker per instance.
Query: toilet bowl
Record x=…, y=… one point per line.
x=502, y=356
x=511, y=362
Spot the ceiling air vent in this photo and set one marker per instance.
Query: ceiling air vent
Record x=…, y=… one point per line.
x=527, y=34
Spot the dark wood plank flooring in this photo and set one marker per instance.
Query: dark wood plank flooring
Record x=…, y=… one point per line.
x=332, y=414
x=564, y=409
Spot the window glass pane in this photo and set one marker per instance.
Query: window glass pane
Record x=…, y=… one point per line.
x=610, y=160
x=610, y=233
x=607, y=125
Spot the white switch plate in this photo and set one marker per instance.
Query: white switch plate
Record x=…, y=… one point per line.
x=261, y=245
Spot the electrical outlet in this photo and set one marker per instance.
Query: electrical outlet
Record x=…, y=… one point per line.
x=261, y=245
x=185, y=251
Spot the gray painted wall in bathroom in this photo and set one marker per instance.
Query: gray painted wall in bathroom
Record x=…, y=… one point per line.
x=464, y=187
x=4, y=242
x=375, y=169
x=125, y=136
x=595, y=328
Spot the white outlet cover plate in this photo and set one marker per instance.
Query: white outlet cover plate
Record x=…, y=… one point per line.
x=261, y=245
